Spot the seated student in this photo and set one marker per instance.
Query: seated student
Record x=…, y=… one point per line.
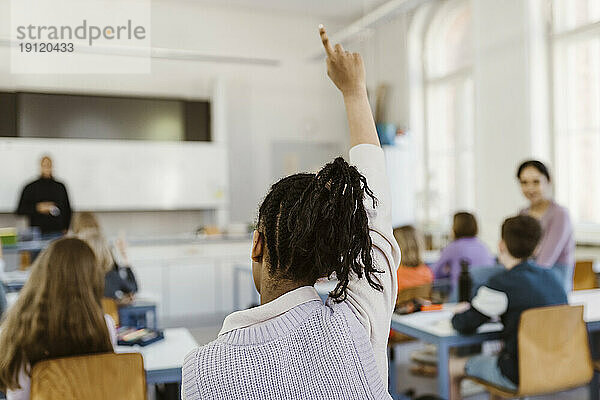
x=412, y=271
x=57, y=314
x=293, y=346
x=523, y=285
x=119, y=281
x=465, y=246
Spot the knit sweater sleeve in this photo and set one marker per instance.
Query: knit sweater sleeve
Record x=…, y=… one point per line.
x=371, y=307
x=189, y=379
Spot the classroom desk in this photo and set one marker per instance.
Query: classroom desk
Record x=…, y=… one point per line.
x=435, y=327
x=14, y=280
x=163, y=360
x=590, y=299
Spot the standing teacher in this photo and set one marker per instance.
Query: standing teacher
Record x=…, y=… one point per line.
x=45, y=202
x=556, y=249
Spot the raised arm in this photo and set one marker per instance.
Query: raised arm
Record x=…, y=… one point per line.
x=371, y=307
x=347, y=72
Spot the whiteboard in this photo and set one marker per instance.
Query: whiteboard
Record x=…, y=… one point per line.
x=117, y=175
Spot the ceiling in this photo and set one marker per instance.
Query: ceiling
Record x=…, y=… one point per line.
x=342, y=9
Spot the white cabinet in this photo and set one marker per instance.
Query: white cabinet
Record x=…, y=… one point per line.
x=193, y=282
x=190, y=289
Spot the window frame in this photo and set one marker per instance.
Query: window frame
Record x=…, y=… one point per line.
x=585, y=232
x=428, y=80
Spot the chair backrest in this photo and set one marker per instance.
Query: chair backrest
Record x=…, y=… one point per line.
x=404, y=295
x=110, y=307
x=584, y=277
x=554, y=352
x=93, y=377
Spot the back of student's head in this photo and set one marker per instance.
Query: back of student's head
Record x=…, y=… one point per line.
x=521, y=234
x=58, y=312
x=85, y=221
x=316, y=224
x=99, y=246
x=410, y=244
x=464, y=225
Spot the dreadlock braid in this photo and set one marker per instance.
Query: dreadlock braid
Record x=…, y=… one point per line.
x=317, y=225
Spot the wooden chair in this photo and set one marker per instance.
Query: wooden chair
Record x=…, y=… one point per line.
x=584, y=277
x=93, y=377
x=406, y=295
x=110, y=307
x=554, y=353
x=423, y=291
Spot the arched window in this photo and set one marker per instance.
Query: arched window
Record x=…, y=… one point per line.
x=575, y=39
x=446, y=96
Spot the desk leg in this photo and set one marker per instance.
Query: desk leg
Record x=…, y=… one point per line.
x=236, y=288
x=594, y=338
x=392, y=374
x=443, y=370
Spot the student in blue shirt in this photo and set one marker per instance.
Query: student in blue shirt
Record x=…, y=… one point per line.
x=523, y=285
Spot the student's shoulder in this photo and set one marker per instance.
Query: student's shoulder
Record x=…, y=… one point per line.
x=502, y=281
x=199, y=357
x=455, y=244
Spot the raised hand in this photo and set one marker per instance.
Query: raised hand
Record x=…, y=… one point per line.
x=345, y=69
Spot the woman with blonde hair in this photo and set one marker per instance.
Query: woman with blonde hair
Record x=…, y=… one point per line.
x=85, y=221
x=58, y=314
x=119, y=281
x=412, y=271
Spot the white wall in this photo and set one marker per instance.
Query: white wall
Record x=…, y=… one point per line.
x=508, y=115
x=291, y=101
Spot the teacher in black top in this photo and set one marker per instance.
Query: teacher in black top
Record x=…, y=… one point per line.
x=45, y=202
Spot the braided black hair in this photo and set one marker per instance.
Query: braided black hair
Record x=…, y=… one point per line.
x=315, y=225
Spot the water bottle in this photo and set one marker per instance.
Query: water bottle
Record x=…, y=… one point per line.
x=464, y=282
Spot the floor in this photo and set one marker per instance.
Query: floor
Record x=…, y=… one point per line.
x=406, y=381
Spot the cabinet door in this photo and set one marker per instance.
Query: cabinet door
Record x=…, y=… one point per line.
x=235, y=286
x=150, y=277
x=190, y=289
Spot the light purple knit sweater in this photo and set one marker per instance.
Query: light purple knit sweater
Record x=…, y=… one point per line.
x=313, y=351
x=296, y=347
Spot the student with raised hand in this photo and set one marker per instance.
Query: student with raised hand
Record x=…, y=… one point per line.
x=119, y=280
x=58, y=314
x=311, y=226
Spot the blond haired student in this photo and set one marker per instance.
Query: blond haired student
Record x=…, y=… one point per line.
x=58, y=314
x=412, y=271
x=293, y=346
x=119, y=280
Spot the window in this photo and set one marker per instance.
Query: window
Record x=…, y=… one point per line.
x=575, y=42
x=448, y=181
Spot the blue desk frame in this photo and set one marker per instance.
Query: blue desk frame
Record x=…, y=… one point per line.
x=171, y=375
x=138, y=312
x=444, y=343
